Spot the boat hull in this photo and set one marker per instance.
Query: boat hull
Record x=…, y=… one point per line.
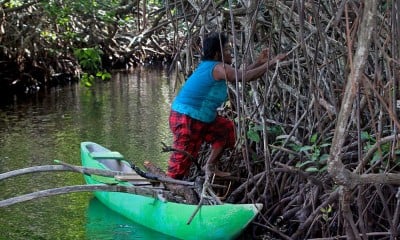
x=224, y=221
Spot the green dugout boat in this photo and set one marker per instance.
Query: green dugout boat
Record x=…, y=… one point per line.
x=224, y=221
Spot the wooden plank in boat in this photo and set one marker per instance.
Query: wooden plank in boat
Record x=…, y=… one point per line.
x=133, y=178
x=106, y=155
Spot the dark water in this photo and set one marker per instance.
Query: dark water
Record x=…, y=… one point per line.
x=128, y=114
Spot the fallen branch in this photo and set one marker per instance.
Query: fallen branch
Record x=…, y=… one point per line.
x=187, y=193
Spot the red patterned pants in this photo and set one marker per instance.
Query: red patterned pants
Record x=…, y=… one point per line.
x=189, y=135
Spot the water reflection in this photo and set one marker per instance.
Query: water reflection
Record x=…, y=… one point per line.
x=103, y=223
x=128, y=114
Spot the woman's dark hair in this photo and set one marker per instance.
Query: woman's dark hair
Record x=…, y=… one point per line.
x=212, y=44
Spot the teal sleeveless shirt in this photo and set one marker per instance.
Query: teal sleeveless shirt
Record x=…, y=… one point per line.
x=201, y=94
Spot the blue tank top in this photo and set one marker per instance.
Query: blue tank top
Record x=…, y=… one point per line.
x=201, y=94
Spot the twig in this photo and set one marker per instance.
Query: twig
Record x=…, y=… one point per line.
x=171, y=149
x=195, y=211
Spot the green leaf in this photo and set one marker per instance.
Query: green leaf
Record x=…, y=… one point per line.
x=253, y=136
x=377, y=156
x=301, y=164
x=324, y=157
x=305, y=148
x=323, y=169
x=258, y=128
x=312, y=169
x=295, y=147
x=314, y=138
x=364, y=135
x=275, y=130
x=325, y=145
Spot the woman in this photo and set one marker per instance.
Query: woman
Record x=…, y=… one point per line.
x=193, y=118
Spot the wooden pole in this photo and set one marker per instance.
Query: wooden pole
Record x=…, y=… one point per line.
x=50, y=168
x=83, y=170
x=86, y=188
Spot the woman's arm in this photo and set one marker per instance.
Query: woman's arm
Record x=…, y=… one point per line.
x=262, y=58
x=225, y=71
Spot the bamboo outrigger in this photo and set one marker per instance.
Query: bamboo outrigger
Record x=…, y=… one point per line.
x=149, y=199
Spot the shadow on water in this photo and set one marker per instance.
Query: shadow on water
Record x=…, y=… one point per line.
x=103, y=223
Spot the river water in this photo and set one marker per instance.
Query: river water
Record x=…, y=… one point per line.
x=128, y=114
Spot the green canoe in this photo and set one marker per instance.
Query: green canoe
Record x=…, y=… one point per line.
x=224, y=221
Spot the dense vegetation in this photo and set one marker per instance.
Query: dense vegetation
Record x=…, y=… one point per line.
x=318, y=134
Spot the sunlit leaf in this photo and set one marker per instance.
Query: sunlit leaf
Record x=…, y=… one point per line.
x=311, y=169
x=314, y=138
